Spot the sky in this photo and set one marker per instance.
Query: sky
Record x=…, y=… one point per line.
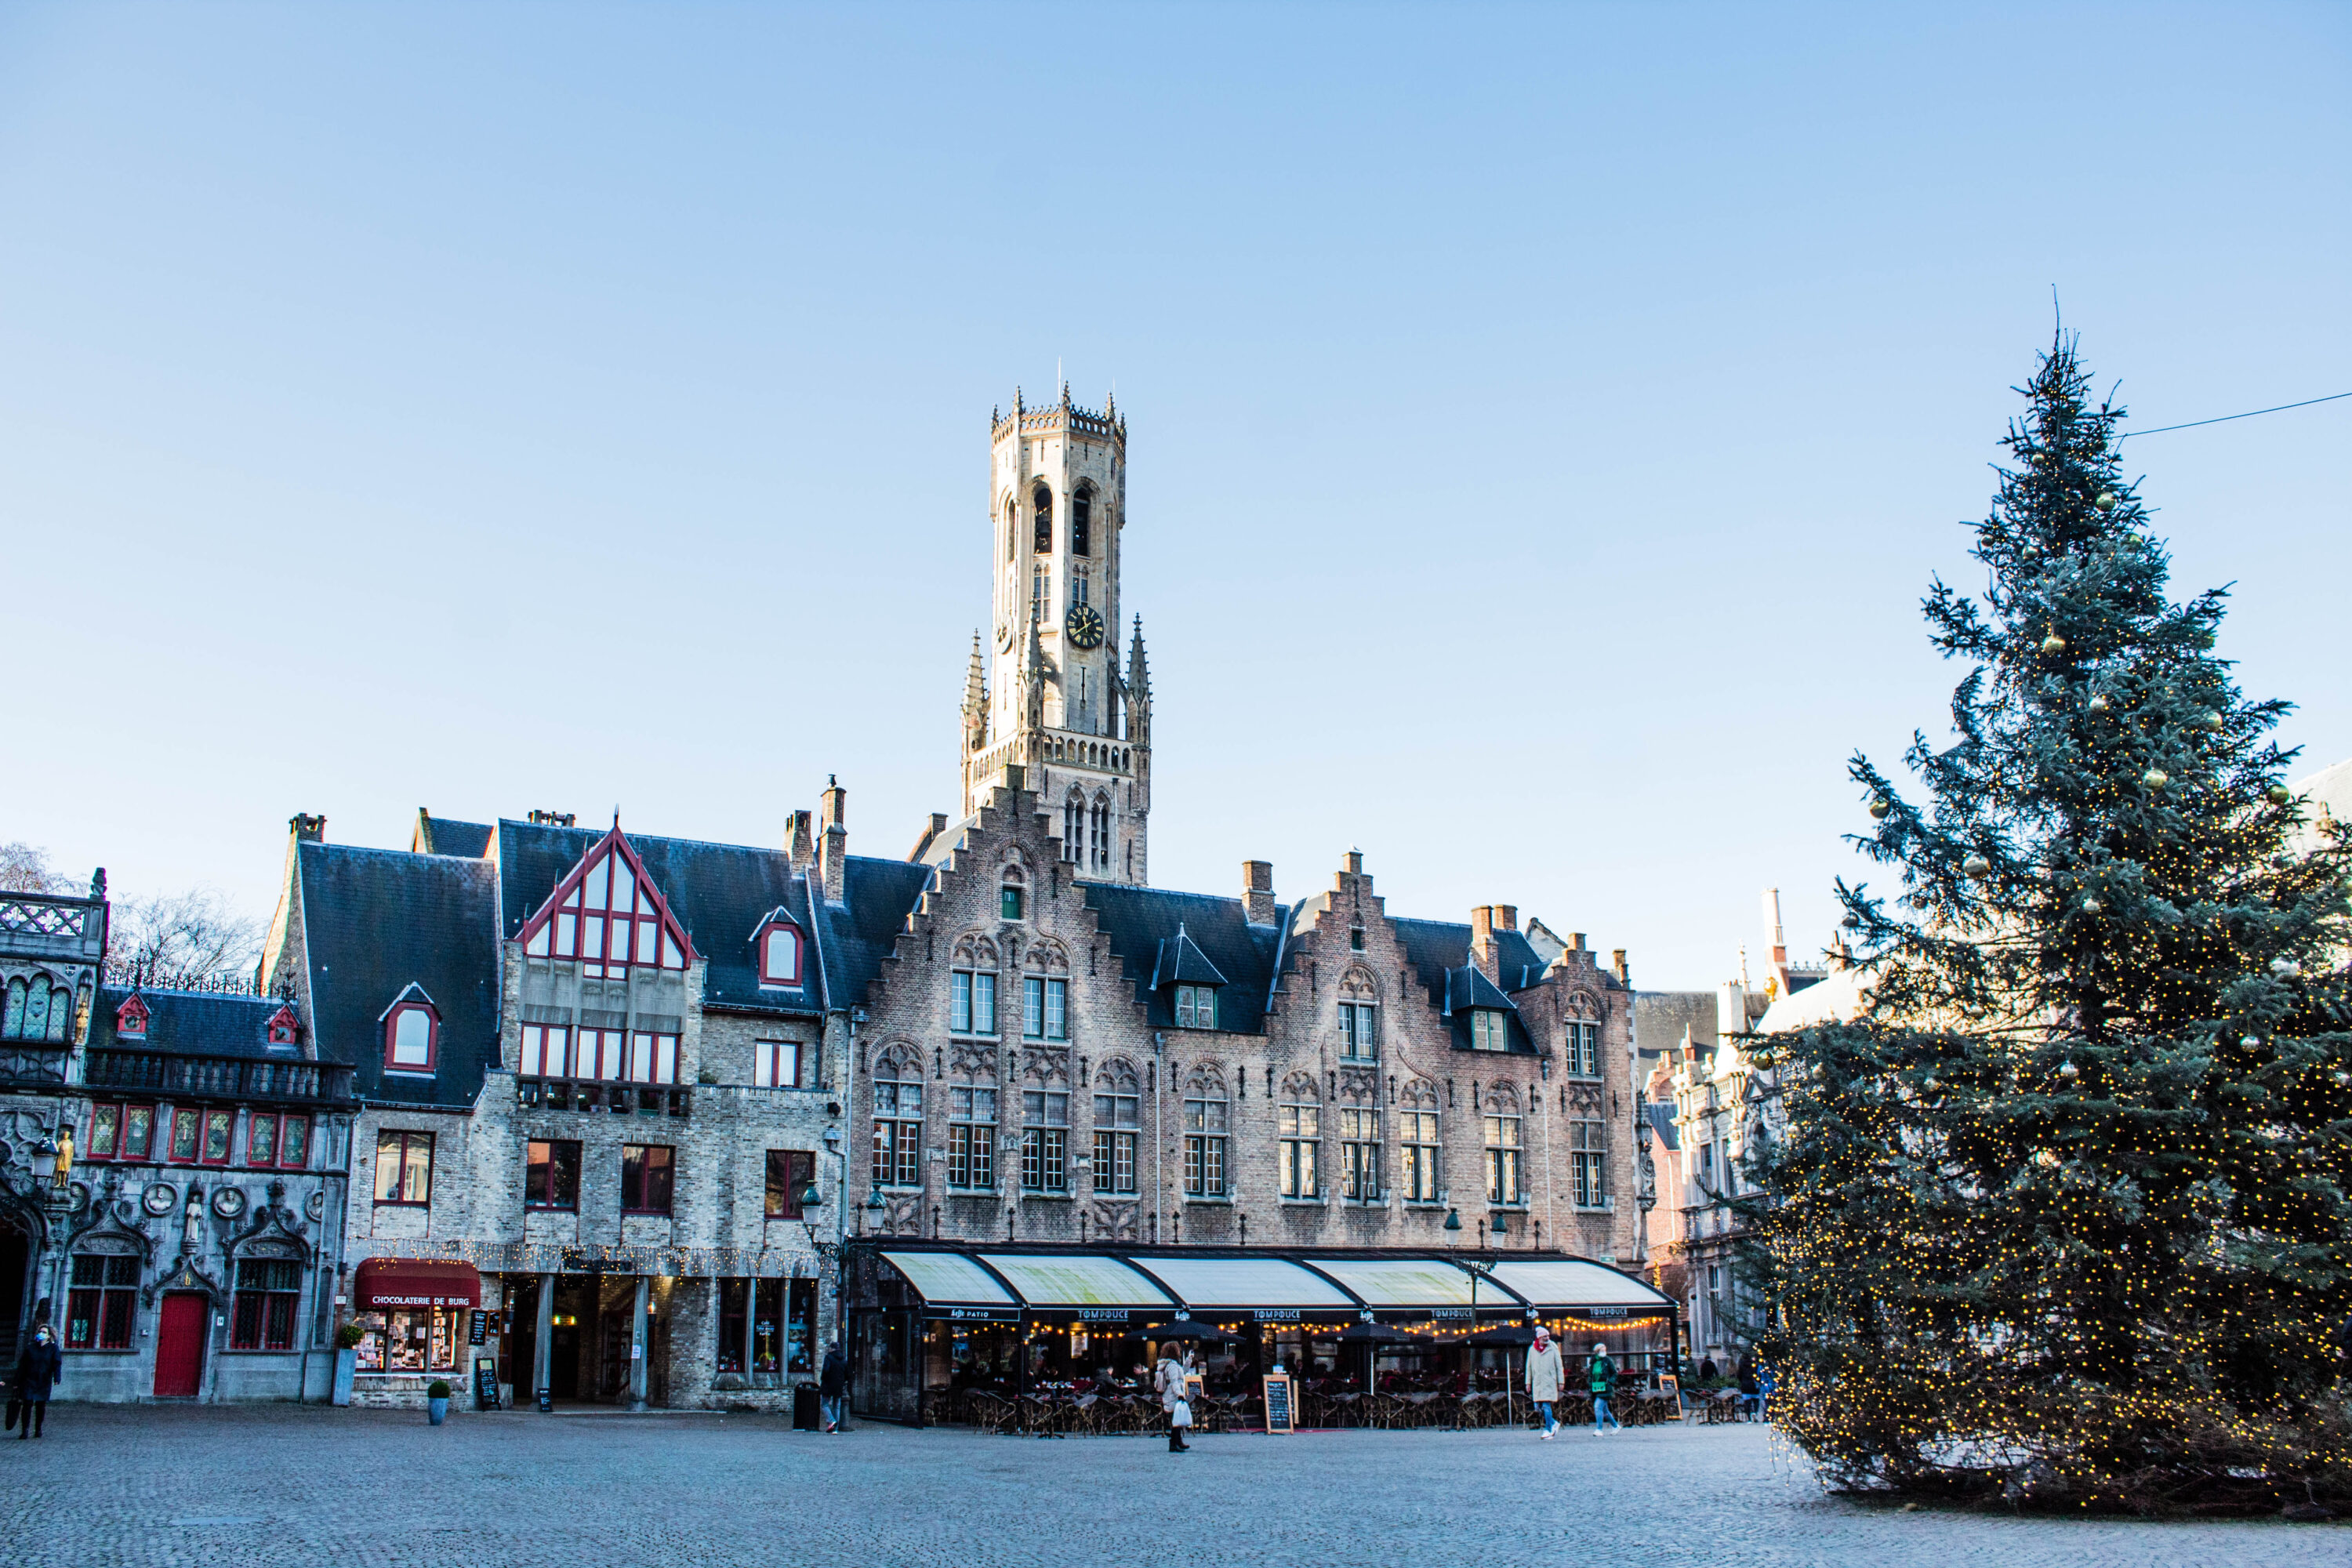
x=1543, y=421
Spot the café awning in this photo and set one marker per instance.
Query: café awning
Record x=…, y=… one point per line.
x=1150, y=1285
x=386, y=1282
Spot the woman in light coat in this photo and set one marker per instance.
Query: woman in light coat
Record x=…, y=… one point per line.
x=1175, y=1365
x=1544, y=1376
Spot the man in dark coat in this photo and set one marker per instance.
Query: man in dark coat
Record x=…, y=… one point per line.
x=832, y=1381
x=39, y=1367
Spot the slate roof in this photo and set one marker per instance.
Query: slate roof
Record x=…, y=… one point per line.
x=1138, y=920
x=1439, y=952
x=192, y=1023
x=721, y=893
x=1181, y=963
x=1661, y=1124
x=376, y=921
x=444, y=836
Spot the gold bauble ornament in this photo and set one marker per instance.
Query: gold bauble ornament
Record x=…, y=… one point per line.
x=1880, y=807
x=2105, y=501
x=2097, y=704
x=1976, y=865
x=2052, y=646
x=2156, y=778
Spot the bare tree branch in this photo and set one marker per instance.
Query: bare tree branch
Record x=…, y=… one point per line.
x=25, y=869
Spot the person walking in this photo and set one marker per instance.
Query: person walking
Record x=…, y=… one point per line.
x=1601, y=1377
x=1752, y=1395
x=1170, y=1381
x=832, y=1383
x=38, y=1368
x=1544, y=1377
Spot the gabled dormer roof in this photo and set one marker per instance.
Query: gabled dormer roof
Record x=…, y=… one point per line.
x=1181, y=963
x=1469, y=987
x=611, y=876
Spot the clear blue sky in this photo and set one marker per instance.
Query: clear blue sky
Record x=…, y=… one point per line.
x=1543, y=420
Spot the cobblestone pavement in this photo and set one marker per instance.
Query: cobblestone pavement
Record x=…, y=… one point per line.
x=225, y=1486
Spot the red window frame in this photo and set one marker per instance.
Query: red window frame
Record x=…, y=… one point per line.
x=400, y=1141
x=117, y=1146
x=585, y=919
x=279, y=1123
x=648, y=1179
x=798, y=1169
x=192, y=1119
x=768, y=1058
x=224, y=1123
x=130, y=1019
x=102, y=1314
x=789, y=975
x=545, y=1174
x=432, y=1037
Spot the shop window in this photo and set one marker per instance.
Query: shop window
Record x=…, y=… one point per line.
x=403, y=1167
x=551, y=1178
x=781, y=1315
x=103, y=1303
x=648, y=1178
x=791, y=1172
x=972, y=1136
x=1360, y=1031
x=120, y=1132
x=1044, y=1008
x=1196, y=1006
x=1204, y=1147
x=1044, y=1141
x=776, y=1064
x=267, y=1292
x=412, y=1037
x=971, y=1002
x=412, y=1339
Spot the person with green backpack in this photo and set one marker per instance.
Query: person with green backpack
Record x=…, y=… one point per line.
x=1600, y=1376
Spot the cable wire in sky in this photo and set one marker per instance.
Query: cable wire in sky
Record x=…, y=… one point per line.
x=2225, y=418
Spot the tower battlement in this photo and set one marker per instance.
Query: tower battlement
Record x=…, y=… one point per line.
x=1064, y=415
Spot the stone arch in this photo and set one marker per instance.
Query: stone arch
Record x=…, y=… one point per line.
x=974, y=951
x=899, y=1059
x=1500, y=1099
x=1584, y=1007
x=1359, y=984
x=1205, y=1081
x=1047, y=956
x=1420, y=1094
x=1300, y=1086
x=1117, y=1074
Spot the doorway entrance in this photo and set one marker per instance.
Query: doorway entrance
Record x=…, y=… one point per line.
x=15, y=1270
x=180, y=1345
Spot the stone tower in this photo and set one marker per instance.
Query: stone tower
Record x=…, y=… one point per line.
x=1046, y=692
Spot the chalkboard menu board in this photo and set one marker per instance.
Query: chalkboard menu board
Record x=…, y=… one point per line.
x=1279, y=1416
x=486, y=1382
x=479, y=1327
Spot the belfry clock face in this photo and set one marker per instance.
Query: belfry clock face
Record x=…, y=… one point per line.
x=1085, y=627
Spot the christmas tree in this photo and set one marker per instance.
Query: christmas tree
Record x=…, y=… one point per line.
x=2064, y=1217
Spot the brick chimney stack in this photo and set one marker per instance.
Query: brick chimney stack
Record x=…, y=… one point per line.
x=1617, y=962
x=1258, y=906
x=1506, y=917
x=307, y=828
x=833, y=849
x=800, y=840
x=1483, y=953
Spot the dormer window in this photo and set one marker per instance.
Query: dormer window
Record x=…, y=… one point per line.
x=1490, y=1029
x=608, y=915
x=411, y=1033
x=130, y=1019
x=1196, y=1006
x=780, y=950
x=282, y=1026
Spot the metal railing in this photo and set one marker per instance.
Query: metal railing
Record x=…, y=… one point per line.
x=216, y=1077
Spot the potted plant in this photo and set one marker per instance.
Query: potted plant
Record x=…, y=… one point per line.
x=437, y=1401
x=347, y=1361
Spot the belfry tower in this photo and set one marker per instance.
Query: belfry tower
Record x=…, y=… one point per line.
x=1046, y=692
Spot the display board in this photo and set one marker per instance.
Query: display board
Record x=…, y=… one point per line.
x=486, y=1384
x=1280, y=1415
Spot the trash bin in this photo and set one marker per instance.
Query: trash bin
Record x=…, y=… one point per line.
x=804, y=1408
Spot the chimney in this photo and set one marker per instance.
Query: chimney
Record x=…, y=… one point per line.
x=1576, y=942
x=1617, y=962
x=800, y=843
x=308, y=829
x=1354, y=864
x=1257, y=892
x=832, y=849
x=1481, y=944
x=1506, y=917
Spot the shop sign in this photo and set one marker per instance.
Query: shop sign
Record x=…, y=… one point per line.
x=1275, y=1314
x=1452, y=1314
x=1607, y=1312
x=981, y=1314
x=1104, y=1314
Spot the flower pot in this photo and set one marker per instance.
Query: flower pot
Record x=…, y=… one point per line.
x=347, y=1361
x=436, y=1411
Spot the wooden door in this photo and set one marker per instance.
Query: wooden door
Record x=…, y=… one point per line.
x=180, y=1345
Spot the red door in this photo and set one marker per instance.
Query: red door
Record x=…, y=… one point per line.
x=180, y=1345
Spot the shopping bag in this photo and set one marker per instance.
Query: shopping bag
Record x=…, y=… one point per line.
x=1180, y=1413
x=15, y=1409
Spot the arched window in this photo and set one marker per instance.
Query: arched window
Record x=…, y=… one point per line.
x=412, y=1030
x=12, y=1024
x=31, y=1003
x=1074, y=827
x=1102, y=832
x=1041, y=506
x=1302, y=1135
x=1011, y=528
x=779, y=953
x=898, y=1119
x=1205, y=1122
x=971, y=998
x=1082, y=521
x=1119, y=1121
x=1360, y=1016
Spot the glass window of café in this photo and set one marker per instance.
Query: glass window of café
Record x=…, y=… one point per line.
x=781, y=1327
x=417, y=1340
